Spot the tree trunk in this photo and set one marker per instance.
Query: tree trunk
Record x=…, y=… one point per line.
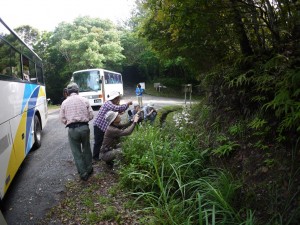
x=296, y=29
x=272, y=23
x=240, y=30
x=255, y=21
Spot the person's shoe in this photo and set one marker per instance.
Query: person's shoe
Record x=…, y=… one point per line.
x=91, y=171
x=85, y=177
x=110, y=165
x=96, y=159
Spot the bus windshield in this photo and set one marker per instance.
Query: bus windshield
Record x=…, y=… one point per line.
x=87, y=80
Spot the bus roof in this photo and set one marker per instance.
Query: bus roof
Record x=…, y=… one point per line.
x=79, y=71
x=14, y=33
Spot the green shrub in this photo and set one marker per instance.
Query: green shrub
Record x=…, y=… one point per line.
x=167, y=171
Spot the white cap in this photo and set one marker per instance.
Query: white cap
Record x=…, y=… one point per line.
x=112, y=95
x=111, y=116
x=150, y=104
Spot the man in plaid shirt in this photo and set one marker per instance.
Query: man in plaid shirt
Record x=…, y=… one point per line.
x=100, y=123
x=75, y=113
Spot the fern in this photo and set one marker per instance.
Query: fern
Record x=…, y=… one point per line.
x=225, y=149
x=239, y=81
x=257, y=123
x=277, y=63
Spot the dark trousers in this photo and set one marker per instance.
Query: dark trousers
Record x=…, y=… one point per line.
x=79, y=139
x=98, y=136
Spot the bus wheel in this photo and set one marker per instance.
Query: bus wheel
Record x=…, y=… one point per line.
x=37, y=133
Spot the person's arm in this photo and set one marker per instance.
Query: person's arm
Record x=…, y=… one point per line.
x=62, y=116
x=152, y=110
x=118, y=108
x=90, y=110
x=90, y=113
x=129, y=129
x=125, y=125
x=147, y=111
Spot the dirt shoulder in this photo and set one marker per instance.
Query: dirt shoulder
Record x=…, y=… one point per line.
x=96, y=201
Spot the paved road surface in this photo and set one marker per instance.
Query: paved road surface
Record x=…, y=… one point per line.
x=40, y=182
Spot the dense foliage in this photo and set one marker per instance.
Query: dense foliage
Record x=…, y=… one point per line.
x=245, y=53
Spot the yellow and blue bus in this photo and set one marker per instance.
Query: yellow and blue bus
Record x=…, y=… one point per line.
x=23, y=103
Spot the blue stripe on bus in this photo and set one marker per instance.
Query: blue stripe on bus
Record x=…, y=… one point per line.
x=31, y=93
x=28, y=91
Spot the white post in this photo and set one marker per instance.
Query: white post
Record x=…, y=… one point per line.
x=190, y=98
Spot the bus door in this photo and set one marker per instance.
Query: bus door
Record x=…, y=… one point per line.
x=102, y=83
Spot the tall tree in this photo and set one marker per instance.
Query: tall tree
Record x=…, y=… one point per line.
x=89, y=43
x=28, y=34
x=84, y=43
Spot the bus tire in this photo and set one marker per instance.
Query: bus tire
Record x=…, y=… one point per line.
x=37, y=133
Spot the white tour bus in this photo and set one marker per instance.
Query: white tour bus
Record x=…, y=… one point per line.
x=96, y=84
x=23, y=102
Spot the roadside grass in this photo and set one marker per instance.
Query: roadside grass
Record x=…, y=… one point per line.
x=50, y=106
x=167, y=171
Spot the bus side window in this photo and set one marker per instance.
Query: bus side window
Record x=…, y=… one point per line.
x=32, y=72
x=39, y=73
x=112, y=80
x=26, y=75
x=106, y=78
x=16, y=65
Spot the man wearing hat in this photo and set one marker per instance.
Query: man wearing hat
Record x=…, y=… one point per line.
x=75, y=113
x=100, y=123
x=136, y=109
x=150, y=112
x=110, y=148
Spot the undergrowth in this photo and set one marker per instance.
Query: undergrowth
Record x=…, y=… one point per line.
x=202, y=166
x=167, y=170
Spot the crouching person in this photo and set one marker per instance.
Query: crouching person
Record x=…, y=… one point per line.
x=136, y=110
x=150, y=113
x=110, y=149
